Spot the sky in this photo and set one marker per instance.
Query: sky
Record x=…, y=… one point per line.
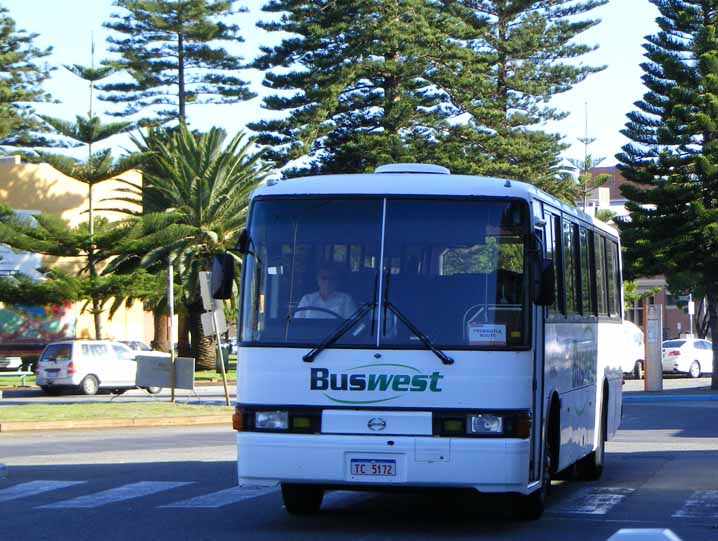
x=599, y=103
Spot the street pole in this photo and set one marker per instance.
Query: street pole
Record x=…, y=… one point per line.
x=691, y=312
x=171, y=306
x=654, y=365
x=221, y=356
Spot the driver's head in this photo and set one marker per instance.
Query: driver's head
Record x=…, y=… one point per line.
x=327, y=280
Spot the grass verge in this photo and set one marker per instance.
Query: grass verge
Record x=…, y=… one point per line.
x=117, y=410
x=14, y=381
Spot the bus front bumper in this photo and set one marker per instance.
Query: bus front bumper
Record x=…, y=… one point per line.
x=487, y=465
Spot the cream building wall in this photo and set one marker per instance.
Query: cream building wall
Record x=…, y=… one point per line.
x=41, y=188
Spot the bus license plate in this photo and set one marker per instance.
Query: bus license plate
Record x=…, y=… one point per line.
x=373, y=467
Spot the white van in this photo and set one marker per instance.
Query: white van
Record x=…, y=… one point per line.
x=87, y=365
x=633, y=362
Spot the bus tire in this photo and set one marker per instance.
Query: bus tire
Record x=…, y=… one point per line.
x=302, y=499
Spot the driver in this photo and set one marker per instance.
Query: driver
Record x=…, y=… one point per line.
x=327, y=298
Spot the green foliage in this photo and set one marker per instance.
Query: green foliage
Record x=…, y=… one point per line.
x=520, y=55
x=361, y=94
x=632, y=295
x=51, y=236
x=21, y=85
x=674, y=208
x=171, y=55
x=58, y=287
x=203, y=188
x=98, y=167
x=605, y=215
x=196, y=190
x=370, y=83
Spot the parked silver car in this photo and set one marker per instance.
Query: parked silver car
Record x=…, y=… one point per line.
x=87, y=365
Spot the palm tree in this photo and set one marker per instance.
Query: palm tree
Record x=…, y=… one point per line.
x=195, y=193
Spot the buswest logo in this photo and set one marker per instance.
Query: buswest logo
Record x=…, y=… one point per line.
x=351, y=380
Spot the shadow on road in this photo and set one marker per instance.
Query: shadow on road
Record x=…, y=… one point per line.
x=435, y=514
x=682, y=419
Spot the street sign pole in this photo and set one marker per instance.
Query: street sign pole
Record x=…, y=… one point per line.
x=654, y=333
x=691, y=311
x=221, y=357
x=171, y=307
x=212, y=307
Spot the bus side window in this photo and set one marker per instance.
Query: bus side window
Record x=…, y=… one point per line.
x=600, y=261
x=553, y=252
x=614, y=307
x=569, y=267
x=587, y=307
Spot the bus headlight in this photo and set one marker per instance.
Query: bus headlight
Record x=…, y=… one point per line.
x=485, y=423
x=271, y=420
x=482, y=424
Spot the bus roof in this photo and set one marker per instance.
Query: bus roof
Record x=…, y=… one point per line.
x=417, y=180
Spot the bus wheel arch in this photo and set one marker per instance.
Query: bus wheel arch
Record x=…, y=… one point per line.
x=553, y=431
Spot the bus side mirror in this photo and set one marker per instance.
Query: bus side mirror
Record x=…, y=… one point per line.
x=544, y=293
x=243, y=242
x=222, y=276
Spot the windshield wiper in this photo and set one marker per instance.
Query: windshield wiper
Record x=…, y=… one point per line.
x=341, y=331
x=413, y=328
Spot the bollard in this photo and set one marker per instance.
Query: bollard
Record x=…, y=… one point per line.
x=644, y=534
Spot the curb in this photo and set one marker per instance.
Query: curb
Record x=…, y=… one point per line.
x=671, y=398
x=137, y=422
x=3, y=471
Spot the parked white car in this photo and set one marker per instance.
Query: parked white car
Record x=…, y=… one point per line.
x=87, y=365
x=688, y=356
x=632, y=362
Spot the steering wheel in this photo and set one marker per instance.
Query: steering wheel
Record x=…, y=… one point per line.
x=318, y=309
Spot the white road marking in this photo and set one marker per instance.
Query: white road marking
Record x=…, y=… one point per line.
x=221, y=498
x=114, y=495
x=701, y=504
x=594, y=501
x=31, y=488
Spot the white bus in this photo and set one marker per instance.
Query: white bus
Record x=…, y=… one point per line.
x=413, y=328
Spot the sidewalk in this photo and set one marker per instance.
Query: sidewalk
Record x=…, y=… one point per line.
x=674, y=389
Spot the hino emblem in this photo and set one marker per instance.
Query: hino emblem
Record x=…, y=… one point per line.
x=376, y=424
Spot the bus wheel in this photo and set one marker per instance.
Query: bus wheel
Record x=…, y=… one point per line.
x=302, y=499
x=531, y=506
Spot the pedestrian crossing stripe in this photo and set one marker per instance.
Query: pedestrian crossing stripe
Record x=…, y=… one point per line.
x=114, y=495
x=33, y=488
x=701, y=504
x=593, y=501
x=222, y=498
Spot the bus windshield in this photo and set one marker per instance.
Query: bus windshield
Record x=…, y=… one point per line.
x=456, y=269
